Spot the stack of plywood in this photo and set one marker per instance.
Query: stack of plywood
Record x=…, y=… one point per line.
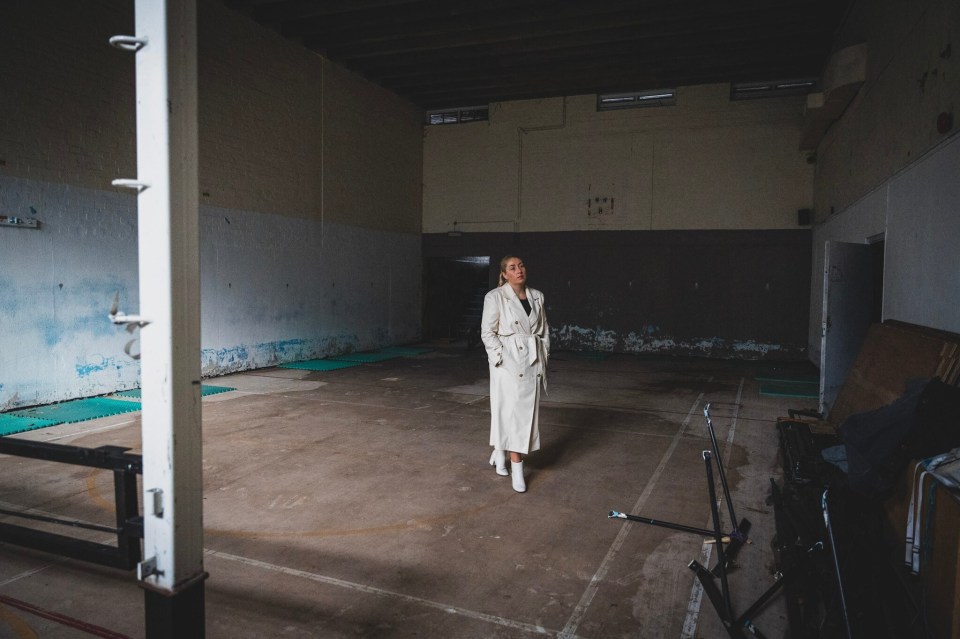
x=892, y=354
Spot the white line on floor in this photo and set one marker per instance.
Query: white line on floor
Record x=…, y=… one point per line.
x=333, y=581
x=27, y=573
x=87, y=431
x=696, y=591
x=696, y=596
x=56, y=562
x=578, y=613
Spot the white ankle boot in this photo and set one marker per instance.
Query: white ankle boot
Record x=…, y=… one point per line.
x=499, y=459
x=516, y=470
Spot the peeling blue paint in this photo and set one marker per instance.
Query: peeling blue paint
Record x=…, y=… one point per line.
x=270, y=315
x=50, y=331
x=84, y=370
x=8, y=299
x=215, y=362
x=751, y=346
x=648, y=340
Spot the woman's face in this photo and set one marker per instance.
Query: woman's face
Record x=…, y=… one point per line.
x=515, y=272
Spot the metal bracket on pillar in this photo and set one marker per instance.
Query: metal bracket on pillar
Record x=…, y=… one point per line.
x=147, y=568
x=127, y=183
x=132, y=322
x=128, y=43
x=156, y=507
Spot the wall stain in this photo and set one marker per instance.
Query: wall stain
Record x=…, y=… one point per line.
x=647, y=341
x=215, y=362
x=86, y=369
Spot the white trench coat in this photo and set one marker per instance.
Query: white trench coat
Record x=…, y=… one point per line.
x=518, y=347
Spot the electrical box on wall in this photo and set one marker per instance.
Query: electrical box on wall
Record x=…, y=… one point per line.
x=22, y=222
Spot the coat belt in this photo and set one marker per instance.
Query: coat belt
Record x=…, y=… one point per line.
x=536, y=352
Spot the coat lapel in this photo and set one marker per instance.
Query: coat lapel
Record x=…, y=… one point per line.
x=516, y=307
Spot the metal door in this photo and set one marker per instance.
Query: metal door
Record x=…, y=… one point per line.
x=847, y=313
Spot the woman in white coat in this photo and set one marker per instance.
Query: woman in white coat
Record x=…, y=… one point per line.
x=516, y=337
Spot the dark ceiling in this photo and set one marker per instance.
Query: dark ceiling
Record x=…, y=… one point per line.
x=452, y=53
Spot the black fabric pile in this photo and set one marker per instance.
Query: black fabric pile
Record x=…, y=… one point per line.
x=923, y=422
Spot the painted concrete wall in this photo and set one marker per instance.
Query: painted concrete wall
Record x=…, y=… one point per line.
x=912, y=76
x=669, y=230
x=884, y=168
x=541, y=165
x=310, y=202
x=716, y=293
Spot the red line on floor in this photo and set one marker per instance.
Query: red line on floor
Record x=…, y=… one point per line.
x=89, y=628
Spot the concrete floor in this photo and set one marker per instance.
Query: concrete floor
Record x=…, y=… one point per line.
x=359, y=503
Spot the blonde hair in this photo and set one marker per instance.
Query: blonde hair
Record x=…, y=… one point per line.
x=503, y=267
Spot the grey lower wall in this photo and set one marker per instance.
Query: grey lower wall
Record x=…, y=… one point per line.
x=274, y=289
x=728, y=294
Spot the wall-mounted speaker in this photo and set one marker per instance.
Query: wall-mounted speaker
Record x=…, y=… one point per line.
x=804, y=217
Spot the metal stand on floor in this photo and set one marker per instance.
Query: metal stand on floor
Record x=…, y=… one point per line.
x=828, y=525
x=719, y=596
x=736, y=537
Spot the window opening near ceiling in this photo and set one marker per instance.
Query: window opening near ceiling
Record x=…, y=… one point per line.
x=772, y=88
x=458, y=115
x=636, y=99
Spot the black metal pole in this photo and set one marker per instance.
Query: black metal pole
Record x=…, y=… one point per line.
x=836, y=562
x=718, y=534
x=666, y=524
x=723, y=476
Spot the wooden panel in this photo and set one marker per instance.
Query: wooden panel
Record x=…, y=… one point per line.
x=940, y=571
x=893, y=353
x=941, y=575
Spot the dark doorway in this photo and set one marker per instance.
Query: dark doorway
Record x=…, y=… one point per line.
x=453, y=301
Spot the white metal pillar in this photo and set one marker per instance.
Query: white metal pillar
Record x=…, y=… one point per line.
x=169, y=262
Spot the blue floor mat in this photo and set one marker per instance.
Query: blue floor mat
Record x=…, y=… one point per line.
x=403, y=351
x=204, y=391
x=365, y=358
x=78, y=410
x=10, y=423
x=782, y=378
x=790, y=389
x=319, y=365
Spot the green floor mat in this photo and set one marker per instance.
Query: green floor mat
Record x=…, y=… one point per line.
x=403, y=351
x=79, y=410
x=319, y=365
x=785, y=378
x=215, y=390
x=364, y=358
x=10, y=423
x=204, y=391
x=790, y=389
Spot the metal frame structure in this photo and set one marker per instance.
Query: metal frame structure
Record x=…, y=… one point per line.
x=736, y=537
x=129, y=524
